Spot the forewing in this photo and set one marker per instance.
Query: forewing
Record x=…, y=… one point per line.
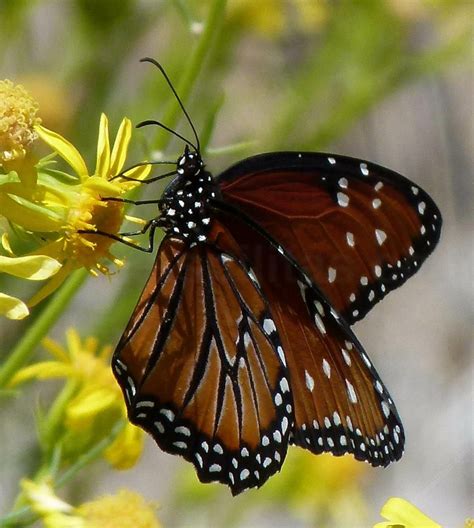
x=201, y=364
x=359, y=230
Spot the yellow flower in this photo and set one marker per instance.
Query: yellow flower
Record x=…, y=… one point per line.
x=97, y=403
x=123, y=510
x=402, y=514
x=272, y=17
x=319, y=487
x=17, y=120
x=50, y=208
x=34, y=267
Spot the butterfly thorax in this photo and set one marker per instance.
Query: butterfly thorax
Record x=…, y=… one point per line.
x=185, y=202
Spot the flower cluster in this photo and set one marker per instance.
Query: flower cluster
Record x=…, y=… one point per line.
x=96, y=403
x=17, y=121
x=122, y=510
x=44, y=211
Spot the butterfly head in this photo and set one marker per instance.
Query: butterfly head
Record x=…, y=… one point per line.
x=190, y=164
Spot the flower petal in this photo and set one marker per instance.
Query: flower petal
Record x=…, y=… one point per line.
x=32, y=217
x=12, y=308
x=103, y=149
x=119, y=151
x=102, y=186
x=33, y=267
x=41, y=371
x=65, y=149
x=122, y=510
x=52, y=285
x=126, y=449
x=42, y=498
x=137, y=173
x=400, y=511
x=85, y=407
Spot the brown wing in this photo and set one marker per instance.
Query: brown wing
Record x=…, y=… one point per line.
x=359, y=230
x=201, y=364
x=340, y=402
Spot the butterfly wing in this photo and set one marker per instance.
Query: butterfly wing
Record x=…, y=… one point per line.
x=340, y=403
x=201, y=365
x=359, y=230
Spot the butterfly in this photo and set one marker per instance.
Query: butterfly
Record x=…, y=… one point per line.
x=241, y=342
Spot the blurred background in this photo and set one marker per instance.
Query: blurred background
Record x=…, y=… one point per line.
x=385, y=80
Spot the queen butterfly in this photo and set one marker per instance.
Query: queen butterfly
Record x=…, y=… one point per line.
x=240, y=344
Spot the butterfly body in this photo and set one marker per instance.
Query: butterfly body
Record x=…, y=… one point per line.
x=185, y=204
x=241, y=342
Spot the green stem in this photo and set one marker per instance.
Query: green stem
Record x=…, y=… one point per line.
x=22, y=515
x=193, y=67
x=25, y=348
x=90, y=456
x=50, y=426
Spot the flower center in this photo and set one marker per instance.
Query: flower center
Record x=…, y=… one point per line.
x=17, y=119
x=91, y=213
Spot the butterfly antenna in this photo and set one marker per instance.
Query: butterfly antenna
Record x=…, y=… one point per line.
x=148, y=122
x=160, y=67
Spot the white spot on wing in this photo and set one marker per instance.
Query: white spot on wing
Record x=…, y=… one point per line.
x=269, y=326
x=343, y=183
x=309, y=381
x=281, y=353
x=346, y=357
x=284, y=385
x=319, y=324
x=351, y=392
x=331, y=274
x=350, y=239
x=342, y=199
x=326, y=368
x=168, y=413
x=381, y=236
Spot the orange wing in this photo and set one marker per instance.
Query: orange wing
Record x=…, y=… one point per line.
x=340, y=403
x=201, y=364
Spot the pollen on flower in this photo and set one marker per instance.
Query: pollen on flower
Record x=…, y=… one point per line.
x=91, y=214
x=17, y=119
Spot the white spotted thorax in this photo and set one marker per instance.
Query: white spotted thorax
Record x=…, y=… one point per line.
x=184, y=206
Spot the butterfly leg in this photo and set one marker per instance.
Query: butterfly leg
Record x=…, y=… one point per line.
x=127, y=200
x=142, y=164
x=150, y=226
